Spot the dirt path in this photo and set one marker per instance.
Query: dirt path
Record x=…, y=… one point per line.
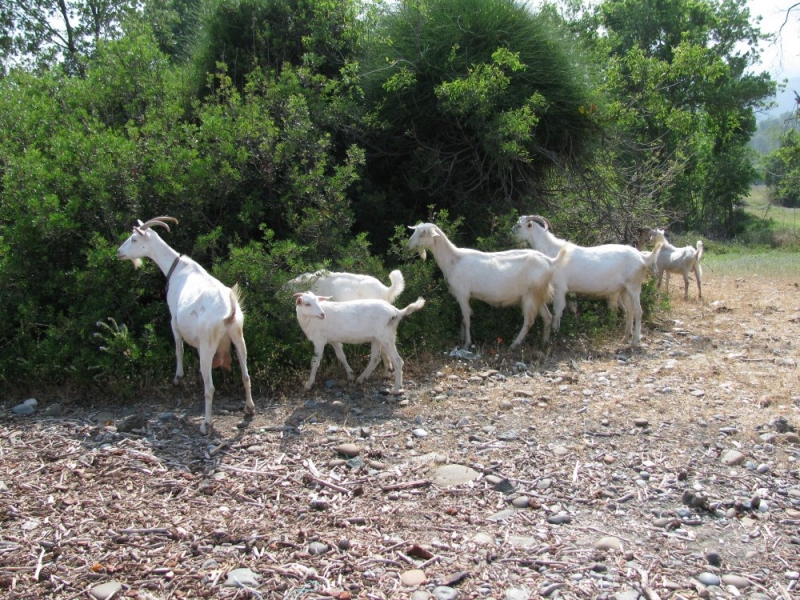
x=682, y=452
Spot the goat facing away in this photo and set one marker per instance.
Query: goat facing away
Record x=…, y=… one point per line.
x=497, y=278
x=677, y=260
x=205, y=313
x=612, y=271
x=352, y=322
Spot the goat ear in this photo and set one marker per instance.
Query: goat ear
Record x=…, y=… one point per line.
x=298, y=299
x=324, y=298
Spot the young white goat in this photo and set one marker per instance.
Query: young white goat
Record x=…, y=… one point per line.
x=352, y=322
x=342, y=287
x=677, y=260
x=497, y=278
x=204, y=312
x=611, y=271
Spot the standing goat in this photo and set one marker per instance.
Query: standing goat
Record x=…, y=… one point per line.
x=611, y=271
x=352, y=322
x=677, y=260
x=343, y=287
x=204, y=312
x=497, y=278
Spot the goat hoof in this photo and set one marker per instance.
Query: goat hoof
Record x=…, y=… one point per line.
x=176, y=381
x=203, y=429
x=249, y=411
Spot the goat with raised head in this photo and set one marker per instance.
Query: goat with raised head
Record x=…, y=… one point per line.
x=498, y=278
x=352, y=322
x=611, y=271
x=677, y=260
x=205, y=313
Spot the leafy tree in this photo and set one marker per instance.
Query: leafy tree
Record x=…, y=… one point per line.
x=677, y=76
x=474, y=102
x=783, y=171
x=248, y=34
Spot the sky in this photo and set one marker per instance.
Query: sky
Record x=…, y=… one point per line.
x=782, y=57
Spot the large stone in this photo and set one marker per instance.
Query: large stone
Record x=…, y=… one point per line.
x=105, y=591
x=452, y=474
x=732, y=458
x=413, y=577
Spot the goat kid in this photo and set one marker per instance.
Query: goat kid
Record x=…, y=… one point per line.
x=352, y=322
x=497, y=278
x=611, y=271
x=205, y=313
x=677, y=260
x=342, y=287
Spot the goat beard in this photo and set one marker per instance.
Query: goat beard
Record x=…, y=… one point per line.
x=423, y=254
x=137, y=262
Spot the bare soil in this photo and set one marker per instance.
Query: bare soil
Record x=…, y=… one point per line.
x=591, y=441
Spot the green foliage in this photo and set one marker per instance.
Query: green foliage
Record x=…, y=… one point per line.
x=474, y=103
x=307, y=134
x=677, y=77
x=249, y=34
x=783, y=171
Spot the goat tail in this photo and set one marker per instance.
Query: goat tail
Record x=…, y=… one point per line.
x=236, y=301
x=561, y=257
x=700, y=247
x=650, y=261
x=413, y=307
x=397, y=287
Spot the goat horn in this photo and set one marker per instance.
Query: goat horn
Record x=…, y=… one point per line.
x=542, y=221
x=160, y=221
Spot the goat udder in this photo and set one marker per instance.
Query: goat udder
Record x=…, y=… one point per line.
x=222, y=359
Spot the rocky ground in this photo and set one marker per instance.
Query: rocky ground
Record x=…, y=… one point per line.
x=672, y=471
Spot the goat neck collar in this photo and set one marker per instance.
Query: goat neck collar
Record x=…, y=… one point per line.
x=172, y=269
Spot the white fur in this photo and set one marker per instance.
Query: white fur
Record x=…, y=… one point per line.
x=497, y=278
x=205, y=313
x=342, y=287
x=352, y=322
x=678, y=260
x=612, y=271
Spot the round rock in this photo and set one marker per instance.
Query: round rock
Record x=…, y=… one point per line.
x=105, y=591
x=740, y=583
x=707, y=578
x=413, y=577
x=348, y=449
x=444, y=592
x=732, y=458
x=609, y=542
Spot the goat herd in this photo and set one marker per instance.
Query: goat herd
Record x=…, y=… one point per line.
x=345, y=308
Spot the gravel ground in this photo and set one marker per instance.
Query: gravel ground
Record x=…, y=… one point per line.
x=671, y=471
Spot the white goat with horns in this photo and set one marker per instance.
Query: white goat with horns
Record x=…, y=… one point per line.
x=205, y=313
x=612, y=271
x=497, y=278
